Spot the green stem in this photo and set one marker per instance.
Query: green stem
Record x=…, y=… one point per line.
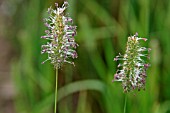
x=56, y=82
x=125, y=104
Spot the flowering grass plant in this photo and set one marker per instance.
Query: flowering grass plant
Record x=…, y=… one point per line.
x=60, y=33
x=132, y=71
x=61, y=45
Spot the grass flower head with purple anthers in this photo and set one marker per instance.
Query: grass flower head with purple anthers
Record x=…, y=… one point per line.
x=132, y=71
x=60, y=33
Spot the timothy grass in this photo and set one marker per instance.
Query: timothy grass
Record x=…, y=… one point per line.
x=103, y=28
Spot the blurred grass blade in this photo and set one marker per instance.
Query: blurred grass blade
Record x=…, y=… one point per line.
x=69, y=89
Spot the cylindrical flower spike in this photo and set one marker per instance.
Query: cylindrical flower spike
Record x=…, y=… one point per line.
x=60, y=33
x=133, y=69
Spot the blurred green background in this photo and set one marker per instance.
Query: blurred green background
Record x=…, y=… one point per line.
x=27, y=86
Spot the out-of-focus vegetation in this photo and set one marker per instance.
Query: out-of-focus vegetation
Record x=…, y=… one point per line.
x=103, y=28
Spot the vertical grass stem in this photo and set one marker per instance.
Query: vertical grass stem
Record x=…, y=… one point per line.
x=56, y=82
x=125, y=104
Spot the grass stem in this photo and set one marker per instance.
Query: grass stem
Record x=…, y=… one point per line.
x=56, y=82
x=125, y=104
